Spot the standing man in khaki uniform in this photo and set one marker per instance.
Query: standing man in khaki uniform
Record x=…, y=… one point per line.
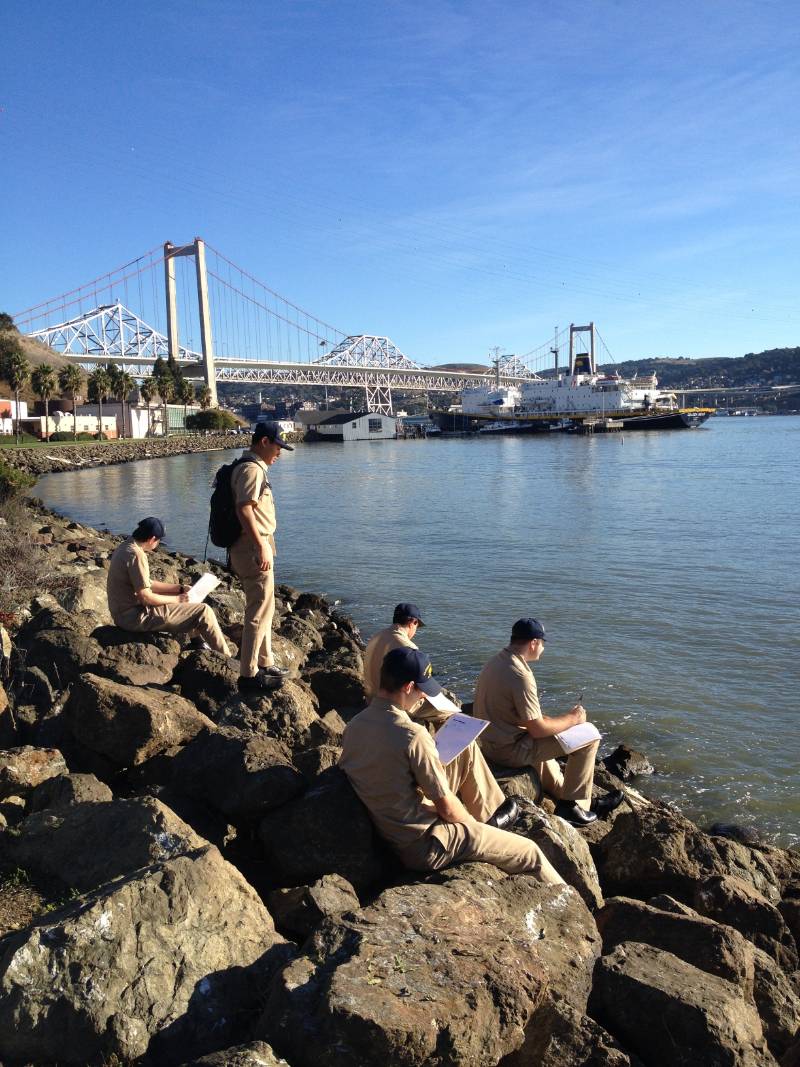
x=431, y=815
x=252, y=556
x=138, y=604
x=520, y=736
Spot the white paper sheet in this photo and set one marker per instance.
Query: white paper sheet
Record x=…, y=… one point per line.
x=578, y=737
x=459, y=731
x=202, y=587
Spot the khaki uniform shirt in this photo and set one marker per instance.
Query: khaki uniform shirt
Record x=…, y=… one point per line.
x=250, y=482
x=393, y=766
x=383, y=641
x=506, y=695
x=128, y=573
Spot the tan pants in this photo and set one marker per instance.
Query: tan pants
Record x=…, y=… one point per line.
x=176, y=619
x=259, y=608
x=468, y=776
x=573, y=783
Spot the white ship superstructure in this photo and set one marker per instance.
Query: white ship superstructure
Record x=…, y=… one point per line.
x=491, y=400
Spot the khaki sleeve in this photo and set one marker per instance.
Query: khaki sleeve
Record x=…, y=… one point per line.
x=526, y=697
x=139, y=573
x=426, y=766
x=247, y=483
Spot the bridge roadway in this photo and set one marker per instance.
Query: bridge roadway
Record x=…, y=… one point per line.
x=282, y=372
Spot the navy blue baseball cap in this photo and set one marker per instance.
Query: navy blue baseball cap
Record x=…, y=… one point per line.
x=527, y=630
x=272, y=432
x=410, y=665
x=149, y=527
x=407, y=612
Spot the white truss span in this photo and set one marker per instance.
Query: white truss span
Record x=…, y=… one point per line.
x=363, y=350
x=113, y=334
x=107, y=333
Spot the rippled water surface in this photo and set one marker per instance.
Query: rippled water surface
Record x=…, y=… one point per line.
x=664, y=566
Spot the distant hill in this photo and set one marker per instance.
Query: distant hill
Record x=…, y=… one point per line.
x=777, y=366
x=36, y=353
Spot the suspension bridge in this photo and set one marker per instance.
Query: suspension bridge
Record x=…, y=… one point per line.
x=221, y=324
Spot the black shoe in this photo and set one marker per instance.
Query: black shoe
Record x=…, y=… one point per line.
x=274, y=671
x=259, y=683
x=506, y=815
x=605, y=804
x=573, y=813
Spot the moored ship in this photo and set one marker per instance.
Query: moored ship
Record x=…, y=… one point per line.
x=570, y=399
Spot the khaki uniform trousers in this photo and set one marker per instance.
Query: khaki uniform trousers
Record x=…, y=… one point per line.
x=573, y=783
x=468, y=775
x=176, y=619
x=259, y=608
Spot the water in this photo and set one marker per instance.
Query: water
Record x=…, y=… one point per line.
x=664, y=566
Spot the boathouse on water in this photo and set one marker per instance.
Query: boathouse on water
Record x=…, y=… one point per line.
x=357, y=426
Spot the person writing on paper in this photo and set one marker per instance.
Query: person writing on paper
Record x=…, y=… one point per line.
x=406, y=621
x=139, y=604
x=520, y=736
x=432, y=816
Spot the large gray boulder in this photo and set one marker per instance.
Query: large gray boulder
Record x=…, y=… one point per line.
x=564, y=847
x=299, y=910
x=253, y=1054
x=238, y=773
x=62, y=654
x=206, y=678
x=654, y=850
x=719, y=950
x=85, y=845
x=777, y=998
x=66, y=789
x=732, y=901
x=136, y=659
x=673, y=1015
x=325, y=831
x=167, y=962
x=23, y=768
x=129, y=724
x=435, y=973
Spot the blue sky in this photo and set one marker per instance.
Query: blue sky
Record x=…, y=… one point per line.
x=454, y=175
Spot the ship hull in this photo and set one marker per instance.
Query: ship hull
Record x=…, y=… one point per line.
x=682, y=419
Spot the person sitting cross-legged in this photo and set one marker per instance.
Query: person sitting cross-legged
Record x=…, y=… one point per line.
x=141, y=605
x=431, y=815
x=520, y=736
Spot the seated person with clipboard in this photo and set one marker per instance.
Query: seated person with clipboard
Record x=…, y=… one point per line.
x=432, y=815
x=519, y=735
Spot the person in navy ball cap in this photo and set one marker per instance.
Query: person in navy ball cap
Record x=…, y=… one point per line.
x=520, y=736
x=431, y=815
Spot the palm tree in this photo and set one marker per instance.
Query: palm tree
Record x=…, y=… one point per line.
x=148, y=391
x=70, y=382
x=121, y=386
x=99, y=390
x=203, y=396
x=166, y=390
x=16, y=371
x=43, y=381
x=185, y=396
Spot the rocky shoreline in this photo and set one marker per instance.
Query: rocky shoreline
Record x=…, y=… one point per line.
x=214, y=893
x=64, y=456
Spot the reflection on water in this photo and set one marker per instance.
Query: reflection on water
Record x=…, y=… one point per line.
x=664, y=565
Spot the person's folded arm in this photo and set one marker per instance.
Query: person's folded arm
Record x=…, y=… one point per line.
x=450, y=809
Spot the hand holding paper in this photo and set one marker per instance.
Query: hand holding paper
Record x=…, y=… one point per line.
x=201, y=588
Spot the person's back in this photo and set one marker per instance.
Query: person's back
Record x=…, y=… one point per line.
x=505, y=695
x=405, y=623
x=128, y=573
x=380, y=747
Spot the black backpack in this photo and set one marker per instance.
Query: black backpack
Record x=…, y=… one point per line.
x=223, y=523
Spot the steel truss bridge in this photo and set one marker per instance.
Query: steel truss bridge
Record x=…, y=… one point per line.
x=102, y=333
x=114, y=334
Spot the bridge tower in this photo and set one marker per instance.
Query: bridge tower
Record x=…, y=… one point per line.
x=582, y=362
x=171, y=253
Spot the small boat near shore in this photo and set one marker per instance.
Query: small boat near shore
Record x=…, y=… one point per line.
x=570, y=399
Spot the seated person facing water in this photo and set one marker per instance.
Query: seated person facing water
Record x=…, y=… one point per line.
x=520, y=736
x=141, y=605
x=431, y=815
x=406, y=621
